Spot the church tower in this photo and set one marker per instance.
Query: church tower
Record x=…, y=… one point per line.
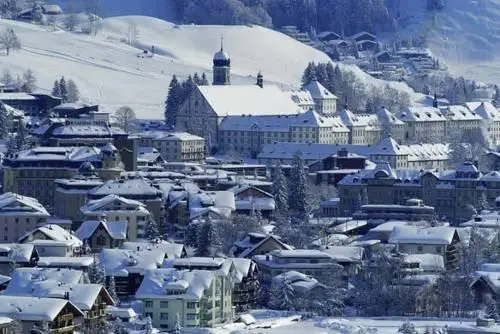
x=222, y=67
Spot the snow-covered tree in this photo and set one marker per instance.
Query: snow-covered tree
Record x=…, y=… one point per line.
x=4, y=121
x=29, y=81
x=96, y=272
x=204, y=80
x=208, y=239
x=280, y=190
x=152, y=232
x=173, y=101
x=148, y=328
x=297, y=187
x=282, y=296
x=177, y=324
x=112, y=290
x=73, y=92
x=9, y=40
x=9, y=8
x=491, y=309
x=56, y=89
x=7, y=78
x=407, y=328
x=71, y=21
x=21, y=134
x=483, y=203
x=64, y=89
x=125, y=117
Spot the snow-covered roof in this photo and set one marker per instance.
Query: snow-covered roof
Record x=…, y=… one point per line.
x=116, y=229
x=221, y=55
x=301, y=97
x=351, y=119
x=484, y=109
x=41, y=153
x=14, y=204
x=345, y=253
x=191, y=285
x=16, y=96
x=193, y=262
x=388, y=146
x=172, y=249
x=427, y=262
x=87, y=130
x=318, y=91
x=421, y=114
x=33, y=308
x=299, y=253
x=243, y=268
x=121, y=262
x=120, y=312
x=233, y=100
x=250, y=248
x=460, y=113
x=440, y=235
x=65, y=262
x=16, y=252
x=22, y=278
x=53, y=233
x=51, y=9
x=98, y=205
x=300, y=282
x=124, y=187
x=181, y=136
x=386, y=117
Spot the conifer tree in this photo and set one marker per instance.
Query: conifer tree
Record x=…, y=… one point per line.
x=64, y=90
x=173, y=101
x=4, y=121
x=152, y=232
x=56, y=90
x=29, y=81
x=21, y=135
x=112, y=290
x=73, y=92
x=280, y=190
x=148, y=329
x=204, y=80
x=298, y=187
x=209, y=243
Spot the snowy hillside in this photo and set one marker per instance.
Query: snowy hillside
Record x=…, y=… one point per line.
x=108, y=72
x=465, y=34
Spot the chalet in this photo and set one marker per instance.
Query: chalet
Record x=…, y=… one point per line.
x=59, y=315
x=248, y=198
x=363, y=36
x=367, y=45
x=326, y=36
x=245, y=284
x=101, y=234
x=21, y=255
x=257, y=244
x=53, y=240
x=31, y=104
x=128, y=267
x=439, y=240
x=75, y=110
x=486, y=283
x=383, y=57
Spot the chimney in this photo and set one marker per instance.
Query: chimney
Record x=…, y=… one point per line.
x=260, y=80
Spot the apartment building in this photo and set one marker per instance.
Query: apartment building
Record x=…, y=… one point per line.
x=19, y=215
x=32, y=172
x=193, y=296
x=174, y=146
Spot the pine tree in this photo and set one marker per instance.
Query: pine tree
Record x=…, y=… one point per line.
x=73, y=92
x=297, y=189
x=7, y=78
x=152, y=233
x=209, y=243
x=204, y=80
x=56, y=90
x=280, y=190
x=407, y=328
x=173, y=101
x=96, y=272
x=309, y=73
x=21, y=134
x=483, y=203
x=112, y=290
x=64, y=90
x=190, y=236
x=196, y=79
x=4, y=121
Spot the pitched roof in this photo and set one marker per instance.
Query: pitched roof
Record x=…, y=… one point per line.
x=421, y=114
x=440, y=235
x=121, y=262
x=249, y=251
x=98, y=204
x=124, y=187
x=116, y=229
x=34, y=309
x=44, y=153
x=485, y=109
x=17, y=252
x=248, y=100
x=173, y=250
x=318, y=91
x=53, y=233
x=14, y=204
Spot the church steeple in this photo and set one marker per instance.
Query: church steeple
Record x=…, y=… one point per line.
x=222, y=66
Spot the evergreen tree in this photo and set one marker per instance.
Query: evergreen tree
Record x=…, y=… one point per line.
x=64, y=90
x=407, y=328
x=152, y=232
x=483, y=203
x=496, y=96
x=187, y=86
x=491, y=310
x=173, y=101
x=4, y=121
x=96, y=272
x=297, y=189
x=204, y=80
x=309, y=73
x=29, y=81
x=208, y=240
x=112, y=290
x=7, y=78
x=196, y=79
x=56, y=90
x=190, y=236
x=21, y=140
x=280, y=190
x=73, y=92
x=281, y=296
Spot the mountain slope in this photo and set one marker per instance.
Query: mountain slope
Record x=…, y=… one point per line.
x=108, y=71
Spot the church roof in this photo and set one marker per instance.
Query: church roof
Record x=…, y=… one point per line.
x=248, y=100
x=318, y=91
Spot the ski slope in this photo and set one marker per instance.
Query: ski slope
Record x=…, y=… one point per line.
x=108, y=71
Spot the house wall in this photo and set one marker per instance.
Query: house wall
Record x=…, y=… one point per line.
x=14, y=227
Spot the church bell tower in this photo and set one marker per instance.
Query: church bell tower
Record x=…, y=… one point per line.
x=222, y=67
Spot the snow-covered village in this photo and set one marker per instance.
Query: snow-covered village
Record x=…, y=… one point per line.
x=249, y=166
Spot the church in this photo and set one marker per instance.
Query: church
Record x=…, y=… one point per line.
x=207, y=106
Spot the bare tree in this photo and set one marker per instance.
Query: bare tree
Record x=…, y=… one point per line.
x=125, y=117
x=9, y=40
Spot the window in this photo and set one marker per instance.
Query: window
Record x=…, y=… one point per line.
x=438, y=249
x=163, y=316
x=164, y=304
x=191, y=316
x=148, y=304
x=101, y=240
x=148, y=314
x=192, y=305
x=420, y=248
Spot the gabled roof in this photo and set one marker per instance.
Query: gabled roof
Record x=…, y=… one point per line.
x=318, y=91
x=421, y=114
x=14, y=204
x=388, y=146
x=249, y=252
x=121, y=262
x=460, y=113
x=124, y=187
x=98, y=204
x=43, y=153
x=20, y=253
x=240, y=188
x=485, y=109
x=248, y=100
x=441, y=235
x=34, y=309
x=117, y=230
x=387, y=117
x=53, y=233
x=172, y=250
